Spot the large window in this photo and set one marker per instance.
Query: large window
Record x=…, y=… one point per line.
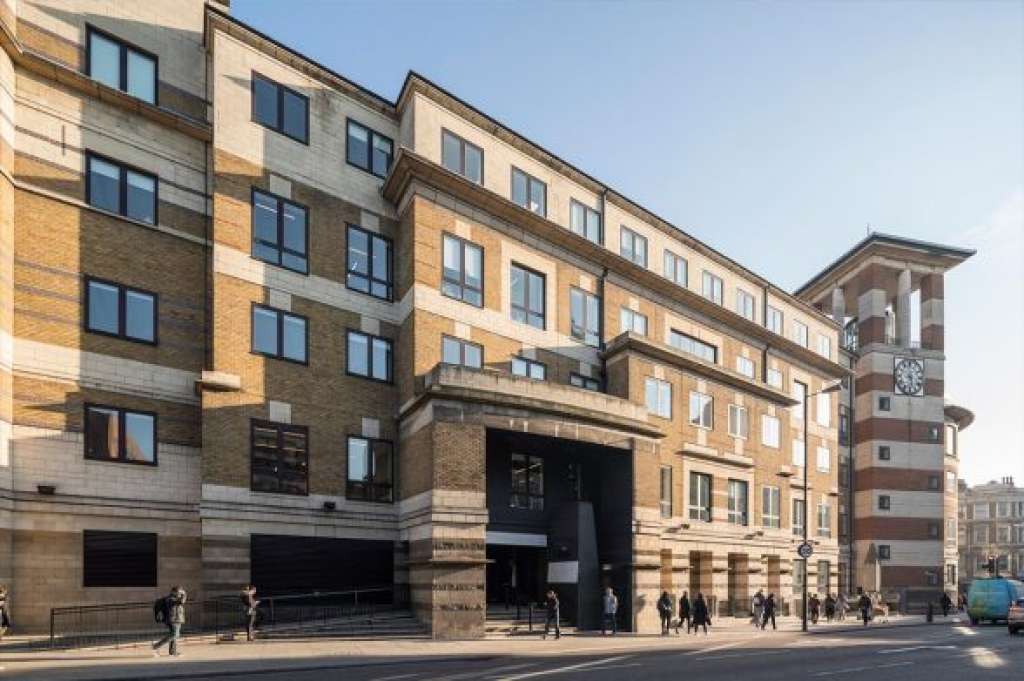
x=771, y=507
x=280, y=233
x=774, y=378
x=462, y=353
x=529, y=192
x=631, y=320
x=799, y=455
x=115, y=434
x=739, y=426
x=119, y=559
x=370, y=470
x=824, y=519
x=527, y=482
x=280, y=108
x=770, y=431
x=800, y=333
x=462, y=157
x=824, y=460
x=700, y=497
x=368, y=149
x=745, y=366
x=120, y=311
x=121, y=66
x=528, y=296
x=799, y=516
x=280, y=458
x=737, y=502
x=120, y=189
x=773, y=320
x=702, y=410
x=528, y=368
x=693, y=346
x=666, y=492
x=584, y=316
x=368, y=356
x=370, y=268
x=463, y=277
x=658, y=397
x=675, y=268
x=279, y=334
x=632, y=246
x=800, y=395
x=745, y=305
x=711, y=287
x=585, y=221
x=824, y=346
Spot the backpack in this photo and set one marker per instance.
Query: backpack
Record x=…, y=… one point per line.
x=160, y=609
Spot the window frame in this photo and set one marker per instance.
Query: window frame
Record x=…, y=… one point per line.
x=741, y=360
x=463, y=143
x=526, y=311
x=773, y=313
x=798, y=520
x=370, y=279
x=803, y=451
x=121, y=433
x=702, y=398
x=743, y=420
x=280, y=428
x=801, y=334
x=885, y=552
x=369, y=356
x=351, y=484
x=765, y=419
x=695, y=510
x=279, y=125
x=152, y=541
x=675, y=259
x=529, y=495
x=633, y=316
x=281, y=201
x=884, y=453
x=122, y=311
x=633, y=237
x=742, y=298
x=463, y=285
x=733, y=516
x=884, y=403
x=659, y=383
x=582, y=338
x=772, y=494
x=586, y=211
x=884, y=502
x=123, y=48
x=824, y=530
x=281, y=314
x=665, y=505
x=775, y=384
x=818, y=458
x=706, y=276
x=696, y=343
x=462, y=352
x=370, y=135
x=530, y=363
x=530, y=181
x=584, y=381
x=122, y=187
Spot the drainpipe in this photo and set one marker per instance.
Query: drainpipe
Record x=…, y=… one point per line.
x=601, y=325
x=764, y=323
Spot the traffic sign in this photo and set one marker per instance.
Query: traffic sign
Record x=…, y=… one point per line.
x=805, y=550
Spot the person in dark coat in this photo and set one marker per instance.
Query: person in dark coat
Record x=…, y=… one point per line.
x=768, y=612
x=684, y=612
x=830, y=607
x=701, y=618
x=551, y=608
x=815, y=607
x=665, y=611
x=864, y=603
x=946, y=603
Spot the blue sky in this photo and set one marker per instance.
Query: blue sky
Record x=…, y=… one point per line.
x=774, y=131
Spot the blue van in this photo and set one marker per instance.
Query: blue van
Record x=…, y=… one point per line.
x=989, y=598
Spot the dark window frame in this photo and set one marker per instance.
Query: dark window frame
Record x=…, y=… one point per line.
x=121, y=432
x=281, y=314
x=884, y=552
x=125, y=47
x=352, y=485
x=526, y=297
x=462, y=351
x=529, y=364
x=884, y=502
x=884, y=403
x=844, y=425
x=884, y=453
x=530, y=180
x=280, y=229
x=463, y=243
x=700, y=511
x=584, y=381
x=371, y=133
x=122, y=309
x=463, y=143
x=585, y=325
x=512, y=493
x=370, y=278
x=281, y=429
x=369, y=357
x=153, y=546
x=278, y=126
x=122, y=187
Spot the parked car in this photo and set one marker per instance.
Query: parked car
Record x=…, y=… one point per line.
x=989, y=598
x=1015, y=617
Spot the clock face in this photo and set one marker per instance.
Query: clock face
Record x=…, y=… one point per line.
x=909, y=374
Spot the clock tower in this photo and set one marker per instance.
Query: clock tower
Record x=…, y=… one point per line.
x=898, y=485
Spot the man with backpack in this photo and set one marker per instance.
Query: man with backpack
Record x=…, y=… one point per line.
x=170, y=610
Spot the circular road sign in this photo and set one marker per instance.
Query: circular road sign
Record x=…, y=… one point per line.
x=805, y=550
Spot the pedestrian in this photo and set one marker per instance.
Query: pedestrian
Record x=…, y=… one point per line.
x=5, y=617
x=665, y=611
x=174, y=617
x=769, y=612
x=842, y=606
x=757, y=608
x=830, y=607
x=815, y=607
x=610, y=606
x=701, y=617
x=864, y=603
x=684, y=612
x=946, y=603
x=249, y=607
x=551, y=618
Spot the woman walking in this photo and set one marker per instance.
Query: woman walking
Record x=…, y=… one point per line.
x=684, y=612
x=665, y=611
x=700, y=614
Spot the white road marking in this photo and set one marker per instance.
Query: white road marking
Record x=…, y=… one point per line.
x=913, y=648
x=562, y=670
x=850, y=670
x=398, y=676
x=712, y=649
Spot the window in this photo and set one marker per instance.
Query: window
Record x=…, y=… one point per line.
x=666, y=492
x=522, y=366
x=824, y=459
x=368, y=149
x=884, y=453
x=800, y=333
x=462, y=157
x=527, y=289
x=884, y=552
x=825, y=346
x=693, y=346
x=711, y=287
x=799, y=516
x=745, y=305
x=798, y=453
x=279, y=334
x=585, y=221
x=933, y=482
x=117, y=188
x=280, y=232
x=844, y=425
x=529, y=192
x=369, y=356
x=950, y=440
x=120, y=311
x=773, y=320
x=370, y=267
x=702, y=410
x=527, y=482
x=745, y=366
x=658, y=397
x=951, y=574
x=774, y=378
x=121, y=66
x=799, y=575
x=737, y=502
x=115, y=434
x=824, y=567
x=370, y=467
x=933, y=530
x=771, y=507
x=800, y=395
x=770, y=431
x=980, y=535
x=584, y=316
x=738, y=424
x=884, y=403
x=280, y=108
x=824, y=519
x=700, y=497
x=632, y=246
x=934, y=433
x=823, y=413
x=119, y=559
x=462, y=353
x=280, y=458
x=463, y=275
x=633, y=321
x=675, y=268
x=981, y=511
x=584, y=382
